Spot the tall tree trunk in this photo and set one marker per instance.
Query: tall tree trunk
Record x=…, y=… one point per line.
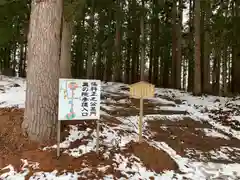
x=179, y=46
x=135, y=42
x=128, y=62
x=224, y=71
x=190, y=47
x=66, y=44
x=25, y=59
x=79, y=57
x=142, y=63
x=118, y=64
x=21, y=59
x=207, y=49
x=108, y=71
x=90, y=45
x=43, y=57
x=174, y=44
x=150, y=70
x=236, y=48
x=156, y=47
x=100, y=55
x=197, y=52
x=184, y=82
x=216, y=69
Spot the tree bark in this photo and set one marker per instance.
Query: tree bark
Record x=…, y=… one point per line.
x=66, y=44
x=142, y=62
x=174, y=44
x=118, y=38
x=90, y=44
x=43, y=71
x=207, y=50
x=190, y=47
x=197, y=52
x=179, y=47
x=224, y=71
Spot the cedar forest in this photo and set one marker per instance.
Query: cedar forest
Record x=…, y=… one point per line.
x=183, y=44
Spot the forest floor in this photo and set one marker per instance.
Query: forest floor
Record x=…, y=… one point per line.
x=185, y=137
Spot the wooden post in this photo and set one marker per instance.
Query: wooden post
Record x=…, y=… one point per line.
x=141, y=90
x=97, y=142
x=58, y=138
x=141, y=120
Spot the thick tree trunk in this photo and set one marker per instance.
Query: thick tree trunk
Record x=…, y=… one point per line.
x=44, y=43
x=66, y=44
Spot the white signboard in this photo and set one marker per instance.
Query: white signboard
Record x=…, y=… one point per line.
x=79, y=99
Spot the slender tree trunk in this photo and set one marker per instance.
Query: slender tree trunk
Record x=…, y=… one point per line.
x=25, y=59
x=197, y=52
x=207, y=50
x=90, y=45
x=236, y=48
x=190, y=47
x=179, y=47
x=174, y=44
x=156, y=47
x=216, y=69
x=142, y=64
x=224, y=71
x=150, y=70
x=21, y=59
x=43, y=57
x=128, y=62
x=118, y=64
x=184, y=82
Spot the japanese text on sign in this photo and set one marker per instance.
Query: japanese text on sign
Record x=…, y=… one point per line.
x=79, y=99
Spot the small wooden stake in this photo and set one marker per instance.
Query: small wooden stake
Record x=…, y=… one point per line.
x=140, y=119
x=97, y=141
x=58, y=138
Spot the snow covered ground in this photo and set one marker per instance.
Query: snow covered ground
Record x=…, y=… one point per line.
x=204, y=121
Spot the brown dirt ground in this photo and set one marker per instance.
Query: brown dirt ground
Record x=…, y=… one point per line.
x=14, y=146
x=151, y=157
x=132, y=108
x=182, y=135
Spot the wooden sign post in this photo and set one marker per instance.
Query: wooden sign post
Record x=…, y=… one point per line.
x=140, y=91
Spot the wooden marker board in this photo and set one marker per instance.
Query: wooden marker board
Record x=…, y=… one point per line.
x=140, y=91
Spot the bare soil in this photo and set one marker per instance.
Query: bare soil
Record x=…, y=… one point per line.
x=187, y=134
x=14, y=147
x=181, y=135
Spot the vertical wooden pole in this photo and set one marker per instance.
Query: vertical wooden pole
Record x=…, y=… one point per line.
x=58, y=138
x=140, y=119
x=60, y=54
x=97, y=142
